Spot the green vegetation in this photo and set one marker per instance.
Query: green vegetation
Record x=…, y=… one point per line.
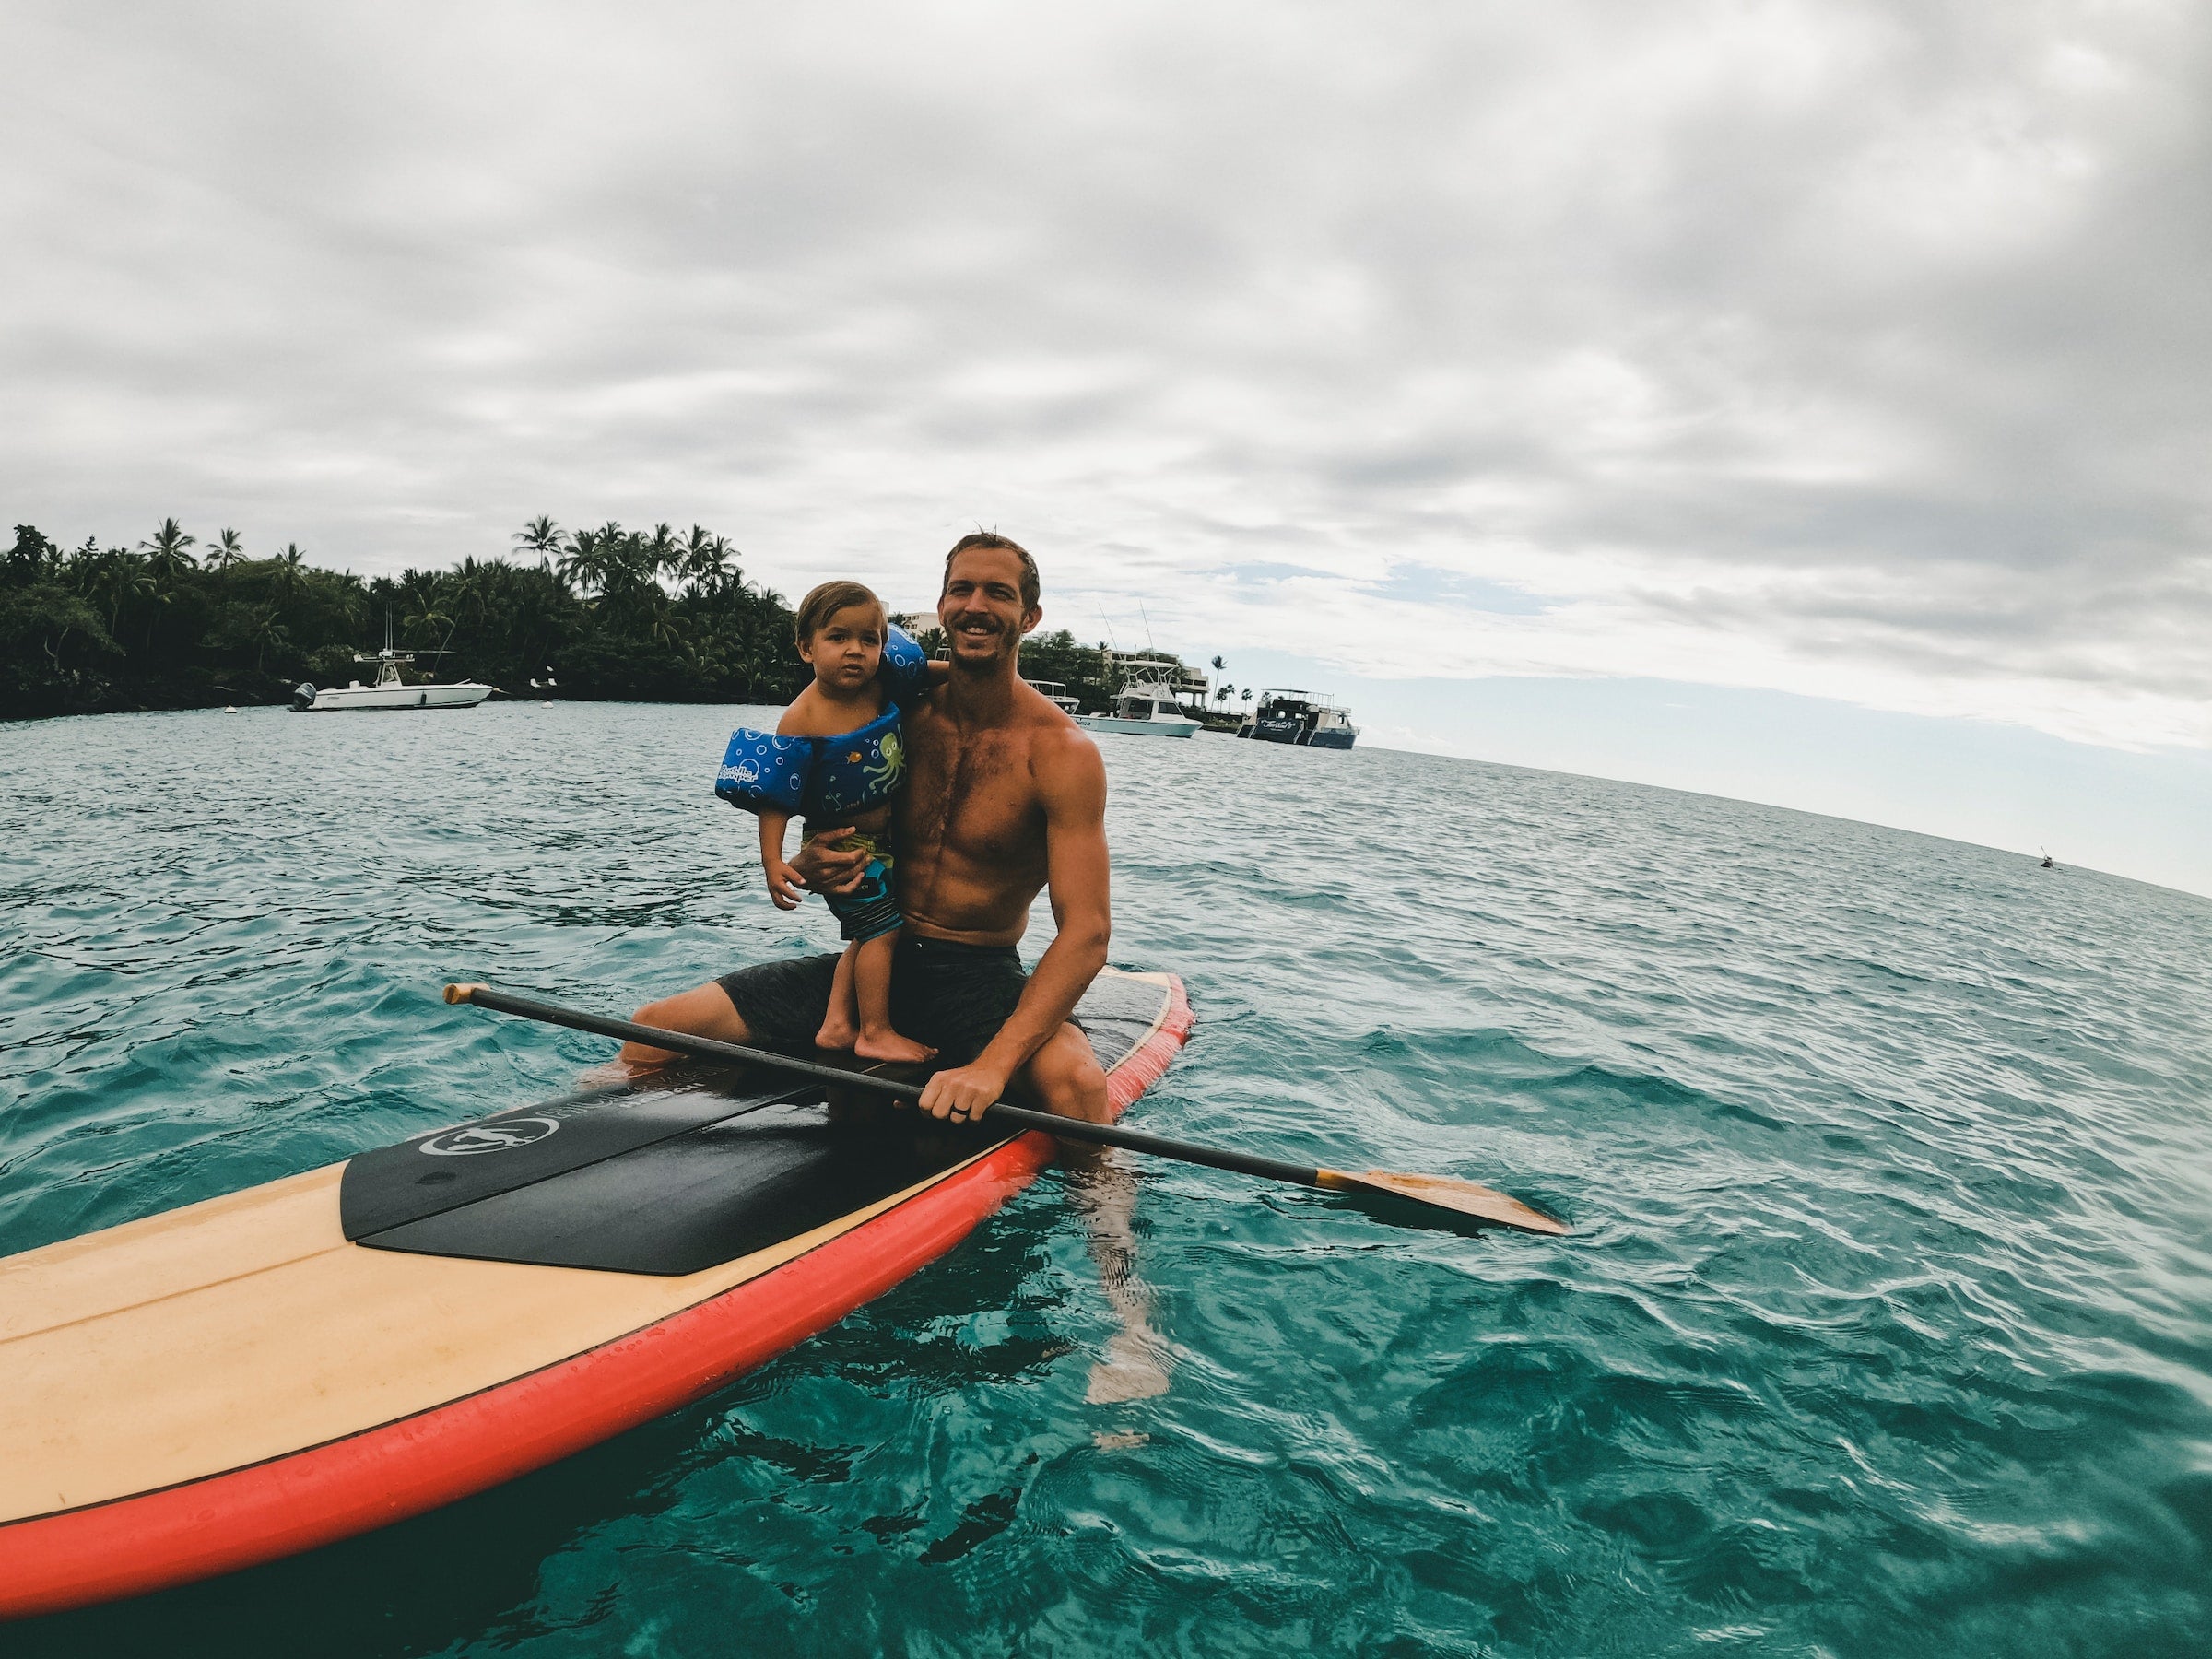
x=611, y=613
x=1081, y=668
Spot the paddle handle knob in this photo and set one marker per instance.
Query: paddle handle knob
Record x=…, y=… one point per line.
x=461, y=993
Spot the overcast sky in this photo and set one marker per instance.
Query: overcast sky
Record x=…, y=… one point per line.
x=1853, y=351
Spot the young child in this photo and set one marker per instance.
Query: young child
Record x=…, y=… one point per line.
x=837, y=759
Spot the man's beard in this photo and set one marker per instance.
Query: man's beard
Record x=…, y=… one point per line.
x=1005, y=644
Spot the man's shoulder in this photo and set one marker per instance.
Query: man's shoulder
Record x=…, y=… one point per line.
x=1062, y=757
x=1051, y=722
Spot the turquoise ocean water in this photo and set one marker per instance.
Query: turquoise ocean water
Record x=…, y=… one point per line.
x=1887, y=1328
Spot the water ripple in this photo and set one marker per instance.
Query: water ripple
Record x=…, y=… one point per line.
x=1887, y=1327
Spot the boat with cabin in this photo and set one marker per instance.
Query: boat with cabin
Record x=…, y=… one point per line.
x=391, y=690
x=1054, y=692
x=1143, y=709
x=1309, y=719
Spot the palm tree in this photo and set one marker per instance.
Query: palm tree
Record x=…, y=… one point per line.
x=119, y=575
x=631, y=560
x=472, y=586
x=426, y=618
x=228, y=550
x=706, y=559
x=588, y=559
x=663, y=549
x=165, y=554
x=541, y=535
x=352, y=606
x=263, y=631
x=165, y=560
x=665, y=629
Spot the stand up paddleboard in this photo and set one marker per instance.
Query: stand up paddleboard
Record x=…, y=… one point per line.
x=259, y=1375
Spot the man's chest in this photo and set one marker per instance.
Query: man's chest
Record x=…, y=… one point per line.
x=970, y=796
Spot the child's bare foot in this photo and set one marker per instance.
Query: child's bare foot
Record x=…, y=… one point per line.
x=889, y=1045
x=837, y=1033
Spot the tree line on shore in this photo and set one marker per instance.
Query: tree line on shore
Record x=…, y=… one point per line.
x=604, y=613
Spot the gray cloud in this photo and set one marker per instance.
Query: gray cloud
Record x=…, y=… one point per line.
x=1852, y=349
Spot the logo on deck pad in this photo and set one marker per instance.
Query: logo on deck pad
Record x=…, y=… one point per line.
x=502, y=1136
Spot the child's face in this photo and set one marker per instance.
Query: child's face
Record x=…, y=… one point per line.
x=846, y=650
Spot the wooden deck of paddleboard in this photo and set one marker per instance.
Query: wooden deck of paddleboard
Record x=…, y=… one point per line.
x=237, y=1366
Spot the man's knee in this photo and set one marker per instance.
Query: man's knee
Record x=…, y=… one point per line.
x=703, y=1011
x=1064, y=1076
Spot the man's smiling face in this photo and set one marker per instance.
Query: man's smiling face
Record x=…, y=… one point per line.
x=980, y=608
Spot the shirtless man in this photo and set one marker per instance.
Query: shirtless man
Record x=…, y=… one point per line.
x=1004, y=795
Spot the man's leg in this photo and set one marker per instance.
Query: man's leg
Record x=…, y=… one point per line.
x=1064, y=1076
x=782, y=1002
x=703, y=1011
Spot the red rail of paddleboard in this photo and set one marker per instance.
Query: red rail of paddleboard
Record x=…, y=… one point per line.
x=307, y=1499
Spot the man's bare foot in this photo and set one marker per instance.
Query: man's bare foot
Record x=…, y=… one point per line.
x=889, y=1045
x=836, y=1034
x=1130, y=1370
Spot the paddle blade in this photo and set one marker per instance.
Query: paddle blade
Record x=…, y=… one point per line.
x=1461, y=1198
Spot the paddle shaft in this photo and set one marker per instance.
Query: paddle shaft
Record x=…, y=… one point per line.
x=1001, y=1116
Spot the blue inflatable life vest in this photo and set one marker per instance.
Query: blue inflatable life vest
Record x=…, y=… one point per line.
x=823, y=777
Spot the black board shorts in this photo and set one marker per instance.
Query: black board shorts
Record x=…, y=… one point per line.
x=953, y=997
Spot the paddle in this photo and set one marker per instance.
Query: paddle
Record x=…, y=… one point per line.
x=1433, y=1192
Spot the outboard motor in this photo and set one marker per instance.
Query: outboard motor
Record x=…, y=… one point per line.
x=303, y=696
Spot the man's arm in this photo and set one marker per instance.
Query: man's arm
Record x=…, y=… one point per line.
x=1071, y=780
x=823, y=868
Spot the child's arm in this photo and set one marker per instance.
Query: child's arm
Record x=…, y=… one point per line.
x=783, y=880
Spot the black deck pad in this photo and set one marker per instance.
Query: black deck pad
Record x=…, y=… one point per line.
x=695, y=1169
x=689, y=1202
x=451, y=1168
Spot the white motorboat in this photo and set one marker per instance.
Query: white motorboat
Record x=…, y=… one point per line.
x=391, y=690
x=1148, y=709
x=1054, y=692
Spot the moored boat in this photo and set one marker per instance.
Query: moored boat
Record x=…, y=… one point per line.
x=1148, y=708
x=1054, y=692
x=391, y=690
x=1311, y=720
